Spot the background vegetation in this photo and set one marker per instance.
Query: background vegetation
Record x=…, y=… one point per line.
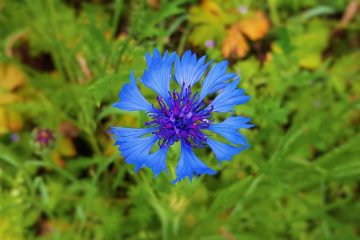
x=62, y=64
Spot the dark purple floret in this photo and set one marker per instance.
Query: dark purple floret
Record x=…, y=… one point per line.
x=181, y=117
x=15, y=137
x=44, y=137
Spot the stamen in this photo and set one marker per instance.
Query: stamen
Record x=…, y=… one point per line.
x=181, y=117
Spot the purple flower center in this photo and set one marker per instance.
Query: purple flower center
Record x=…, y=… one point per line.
x=181, y=117
x=44, y=137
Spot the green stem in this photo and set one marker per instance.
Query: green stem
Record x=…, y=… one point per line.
x=94, y=144
x=116, y=17
x=273, y=12
x=156, y=204
x=121, y=52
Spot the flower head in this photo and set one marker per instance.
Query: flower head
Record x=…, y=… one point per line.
x=243, y=9
x=181, y=115
x=44, y=137
x=210, y=44
x=180, y=118
x=15, y=137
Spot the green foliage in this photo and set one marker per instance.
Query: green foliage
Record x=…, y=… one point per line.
x=299, y=180
x=147, y=22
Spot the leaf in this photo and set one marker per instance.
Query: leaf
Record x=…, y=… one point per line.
x=234, y=44
x=203, y=33
x=66, y=147
x=256, y=27
x=311, y=61
x=10, y=121
x=350, y=170
x=154, y=3
x=209, y=22
x=318, y=11
x=340, y=79
x=230, y=195
x=310, y=43
x=149, y=22
x=101, y=88
x=208, y=12
x=3, y=121
x=7, y=98
x=7, y=156
x=15, y=121
x=10, y=78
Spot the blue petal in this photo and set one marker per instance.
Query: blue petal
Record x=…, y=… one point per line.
x=121, y=132
x=131, y=99
x=229, y=97
x=223, y=151
x=135, y=150
x=190, y=164
x=158, y=74
x=230, y=129
x=216, y=79
x=189, y=70
x=157, y=161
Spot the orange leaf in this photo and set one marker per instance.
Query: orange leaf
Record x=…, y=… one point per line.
x=234, y=44
x=154, y=3
x=255, y=27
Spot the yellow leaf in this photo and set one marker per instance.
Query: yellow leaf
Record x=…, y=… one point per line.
x=56, y=157
x=212, y=8
x=205, y=15
x=11, y=77
x=311, y=61
x=276, y=49
x=204, y=32
x=3, y=121
x=66, y=147
x=110, y=149
x=15, y=122
x=209, y=22
x=9, y=230
x=9, y=121
x=7, y=98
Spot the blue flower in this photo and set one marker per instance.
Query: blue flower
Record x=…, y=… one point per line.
x=182, y=115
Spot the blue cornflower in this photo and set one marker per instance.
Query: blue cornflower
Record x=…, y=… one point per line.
x=181, y=115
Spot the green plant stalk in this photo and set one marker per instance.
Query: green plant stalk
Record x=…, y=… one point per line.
x=273, y=12
x=121, y=52
x=155, y=203
x=116, y=17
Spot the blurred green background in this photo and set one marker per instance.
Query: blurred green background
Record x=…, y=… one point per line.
x=62, y=64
